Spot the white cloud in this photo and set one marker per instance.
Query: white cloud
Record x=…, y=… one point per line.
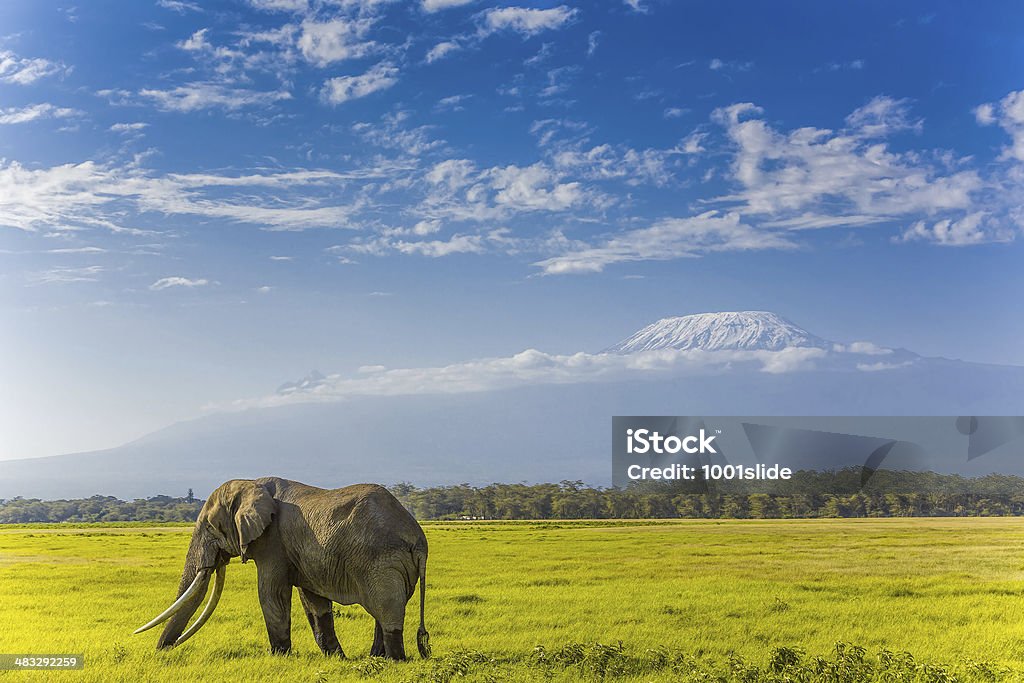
x=53, y=197
x=93, y=195
x=176, y=281
x=533, y=188
x=667, y=239
x=852, y=65
x=135, y=127
x=345, y=88
x=559, y=80
x=196, y=42
x=631, y=166
x=1009, y=114
x=442, y=50
x=233, y=64
x=323, y=43
x=566, y=144
x=692, y=143
x=179, y=6
x=426, y=227
x=717, y=64
x=77, y=250
x=985, y=114
x=532, y=367
x=974, y=228
x=63, y=276
x=865, y=348
x=556, y=133
x=881, y=117
x=457, y=190
x=34, y=112
x=400, y=240
x=393, y=133
x=527, y=22
x=456, y=244
x=814, y=178
x=437, y=5
x=635, y=5
x=205, y=95
x=451, y=173
x=24, y=70
x=452, y=103
x=280, y=5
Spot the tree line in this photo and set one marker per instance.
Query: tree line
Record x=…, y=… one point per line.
x=852, y=492
x=808, y=495
x=100, y=509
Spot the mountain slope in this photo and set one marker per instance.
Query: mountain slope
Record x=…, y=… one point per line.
x=533, y=433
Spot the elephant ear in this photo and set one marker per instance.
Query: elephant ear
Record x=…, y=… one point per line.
x=256, y=508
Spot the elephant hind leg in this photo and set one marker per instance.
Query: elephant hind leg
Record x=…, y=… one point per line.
x=386, y=603
x=392, y=621
x=321, y=619
x=394, y=644
x=377, y=649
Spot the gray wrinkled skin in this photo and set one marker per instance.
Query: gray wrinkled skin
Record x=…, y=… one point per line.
x=353, y=545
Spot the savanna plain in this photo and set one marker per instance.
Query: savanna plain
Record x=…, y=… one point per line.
x=683, y=600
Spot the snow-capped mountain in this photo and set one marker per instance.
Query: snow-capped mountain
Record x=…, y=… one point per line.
x=530, y=417
x=735, y=330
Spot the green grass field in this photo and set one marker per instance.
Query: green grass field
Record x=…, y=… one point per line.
x=689, y=600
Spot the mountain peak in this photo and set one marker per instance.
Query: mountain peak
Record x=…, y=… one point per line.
x=311, y=380
x=726, y=330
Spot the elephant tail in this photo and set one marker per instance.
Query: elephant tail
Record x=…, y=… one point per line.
x=422, y=637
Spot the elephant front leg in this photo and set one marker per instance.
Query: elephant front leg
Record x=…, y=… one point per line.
x=276, y=600
x=321, y=620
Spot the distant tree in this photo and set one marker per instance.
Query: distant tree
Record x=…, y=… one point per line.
x=190, y=497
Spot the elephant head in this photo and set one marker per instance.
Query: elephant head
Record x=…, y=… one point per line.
x=234, y=516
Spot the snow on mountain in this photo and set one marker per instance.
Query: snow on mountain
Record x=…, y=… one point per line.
x=739, y=330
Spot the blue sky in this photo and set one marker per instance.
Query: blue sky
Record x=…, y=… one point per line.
x=199, y=201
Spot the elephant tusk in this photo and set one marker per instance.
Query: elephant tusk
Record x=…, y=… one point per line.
x=211, y=604
x=179, y=603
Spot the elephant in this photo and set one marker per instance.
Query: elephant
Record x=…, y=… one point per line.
x=353, y=545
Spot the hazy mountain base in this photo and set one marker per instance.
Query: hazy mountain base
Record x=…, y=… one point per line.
x=531, y=434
